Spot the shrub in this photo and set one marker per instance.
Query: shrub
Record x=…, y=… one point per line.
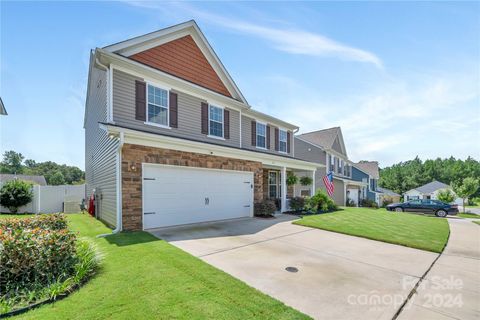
x=297, y=203
x=386, y=202
x=265, y=208
x=291, y=179
x=446, y=195
x=350, y=203
x=321, y=202
x=34, y=256
x=368, y=203
x=306, y=181
x=15, y=193
x=44, y=221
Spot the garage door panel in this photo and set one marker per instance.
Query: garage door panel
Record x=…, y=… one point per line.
x=183, y=195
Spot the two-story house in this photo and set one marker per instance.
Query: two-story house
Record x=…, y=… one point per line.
x=369, y=172
x=327, y=148
x=171, y=140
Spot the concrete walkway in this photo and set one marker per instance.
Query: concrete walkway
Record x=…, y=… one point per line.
x=338, y=277
x=451, y=290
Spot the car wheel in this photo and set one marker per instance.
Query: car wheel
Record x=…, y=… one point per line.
x=398, y=209
x=441, y=213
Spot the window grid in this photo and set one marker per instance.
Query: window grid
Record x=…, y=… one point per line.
x=261, y=135
x=157, y=105
x=282, y=140
x=215, y=116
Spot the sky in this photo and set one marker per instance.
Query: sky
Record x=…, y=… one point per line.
x=401, y=78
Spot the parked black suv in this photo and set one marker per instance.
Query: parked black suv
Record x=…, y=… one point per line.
x=439, y=208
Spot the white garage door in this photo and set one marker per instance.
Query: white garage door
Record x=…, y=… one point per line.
x=174, y=195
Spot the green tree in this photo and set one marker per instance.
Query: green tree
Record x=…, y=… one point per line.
x=446, y=195
x=56, y=178
x=467, y=188
x=12, y=162
x=15, y=193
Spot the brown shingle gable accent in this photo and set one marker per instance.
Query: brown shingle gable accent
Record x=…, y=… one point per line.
x=184, y=59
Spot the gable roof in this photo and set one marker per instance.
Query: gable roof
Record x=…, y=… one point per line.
x=388, y=192
x=432, y=187
x=370, y=167
x=2, y=108
x=190, y=28
x=40, y=180
x=326, y=138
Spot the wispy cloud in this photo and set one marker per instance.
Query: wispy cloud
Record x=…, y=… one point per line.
x=294, y=41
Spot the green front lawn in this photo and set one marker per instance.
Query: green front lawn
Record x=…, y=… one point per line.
x=468, y=215
x=476, y=222
x=411, y=230
x=146, y=278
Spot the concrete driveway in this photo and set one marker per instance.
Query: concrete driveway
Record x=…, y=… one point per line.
x=339, y=276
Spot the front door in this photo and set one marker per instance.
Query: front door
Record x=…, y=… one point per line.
x=274, y=187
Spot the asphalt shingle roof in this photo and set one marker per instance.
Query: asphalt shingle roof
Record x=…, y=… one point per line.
x=387, y=191
x=324, y=138
x=432, y=186
x=370, y=167
x=40, y=180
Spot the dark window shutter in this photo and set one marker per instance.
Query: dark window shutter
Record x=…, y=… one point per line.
x=254, y=133
x=226, y=124
x=173, y=110
x=288, y=141
x=277, y=140
x=268, y=137
x=204, y=118
x=140, y=100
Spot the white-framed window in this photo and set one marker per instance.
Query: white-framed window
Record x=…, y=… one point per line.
x=261, y=135
x=157, y=106
x=340, y=166
x=332, y=163
x=273, y=185
x=282, y=137
x=215, y=121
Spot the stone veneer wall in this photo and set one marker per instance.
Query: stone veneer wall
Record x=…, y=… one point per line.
x=135, y=155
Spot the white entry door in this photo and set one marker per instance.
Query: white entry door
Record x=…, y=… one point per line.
x=353, y=195
x=175, y=195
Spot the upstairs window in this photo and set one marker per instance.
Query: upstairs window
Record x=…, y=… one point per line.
x=282, y=137
x=215, y=120
x=340, y=166
x=261, y=135
x=157, y=106
x=332, y=163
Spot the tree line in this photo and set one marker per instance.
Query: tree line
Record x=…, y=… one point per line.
x=55, y=174
x=411, y=174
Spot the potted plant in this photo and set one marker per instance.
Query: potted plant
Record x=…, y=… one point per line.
x=291, y=179
x=306, y=181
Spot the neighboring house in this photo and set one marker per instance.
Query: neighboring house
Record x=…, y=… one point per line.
x=171, y=140
x=428, y=191
x=327, y=148
x=371, y=169
x=3, y=111
x=387, y=195
x=38, y=180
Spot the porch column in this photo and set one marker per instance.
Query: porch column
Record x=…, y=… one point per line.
x=344, y=193
x=312, y=189
x=284, y=190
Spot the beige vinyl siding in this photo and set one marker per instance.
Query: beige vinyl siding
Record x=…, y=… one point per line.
x=100, y=150
x=247, y=137
x=189, y=113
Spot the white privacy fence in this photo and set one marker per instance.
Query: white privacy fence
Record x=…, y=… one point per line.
x=51, y=199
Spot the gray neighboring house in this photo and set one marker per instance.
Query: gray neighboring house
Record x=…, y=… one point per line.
x=3, y=111
x=327, y=148
x=387, y=194
x=39, y=180
x=428, y=191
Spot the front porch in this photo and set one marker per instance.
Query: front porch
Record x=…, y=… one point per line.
x=355, y=191
x=275, y=181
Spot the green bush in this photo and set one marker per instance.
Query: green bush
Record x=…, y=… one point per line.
x=350, y=203
x=321, y=202
x=386, y=202
x=368, y=203
x=306, y=181
x=15, y=193
x=34, y=257
x=265, y=208
x=41, y=259
x=297, y=203
x=446, y=195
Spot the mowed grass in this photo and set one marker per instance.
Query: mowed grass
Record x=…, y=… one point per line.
x=476, y=222
x=468, y=215
x=145, y=278
x=415, y=231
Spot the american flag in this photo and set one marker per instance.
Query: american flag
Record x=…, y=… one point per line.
x=328, y=180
